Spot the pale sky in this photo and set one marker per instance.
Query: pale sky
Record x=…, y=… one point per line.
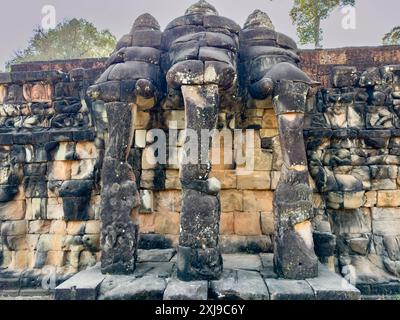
x=19, y=17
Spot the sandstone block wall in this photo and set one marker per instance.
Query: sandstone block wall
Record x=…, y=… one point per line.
x=49, y=194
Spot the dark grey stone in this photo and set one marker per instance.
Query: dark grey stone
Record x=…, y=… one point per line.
x=239, y=285
x=180, y=290
x=242, y=262
x=281, y=289
x=330, y=286
x=324, y=244
x=156, y=255
x=146, y=288
x=84, y=285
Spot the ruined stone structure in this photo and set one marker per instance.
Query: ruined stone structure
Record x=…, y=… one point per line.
x=200, y=56
x=78, y=184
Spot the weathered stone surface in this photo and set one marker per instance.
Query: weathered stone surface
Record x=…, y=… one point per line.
x=180, y=290
x=83, y=286
x=330, y=286
x=242, y=262
x=146, y=288
x=239, y=285
x=370, y=276
x=120, y=233
x=155, y=255
x=289, y=289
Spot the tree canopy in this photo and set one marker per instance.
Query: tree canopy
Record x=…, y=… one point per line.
x=307, y=15
x=392, y=37
x=71, y=39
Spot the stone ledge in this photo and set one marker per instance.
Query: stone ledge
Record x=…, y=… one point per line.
x=247, y=280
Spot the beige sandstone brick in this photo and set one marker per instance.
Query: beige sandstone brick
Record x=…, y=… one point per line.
x=147, y=223
x=12, y=210
x=55, y=210
x=142, y=120
x=247, y=224
x=257, y=200
x=254, y=180
x=3, y=93
x=267, y=223
x=20, y=260
x=93, y=227
x=227, y=178
x=55, y=258
x=75, y=228
x=14, y=228
x=168, y=201
x=231, y=200
x=167, y=223
x=390, y=198
x=86, y=150
x=227, y=223
x=50, y=242
x=32, y=241
x=269, y=120
x=353, y=200
x=39, y=226
x=147, y=178
x=275, y=176
x=58, y=227
x=17, y=242
x=83, y=169
x=371, y=198
x=264, y=104
x=269, y=133
x=172, y=181
x=59, y=170
x=262, y=160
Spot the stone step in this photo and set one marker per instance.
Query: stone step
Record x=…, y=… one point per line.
x=82, y=286
x=246, y=277
x=331, y=286
x=180, y=290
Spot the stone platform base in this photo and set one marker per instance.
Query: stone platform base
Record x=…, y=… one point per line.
x=246, y=277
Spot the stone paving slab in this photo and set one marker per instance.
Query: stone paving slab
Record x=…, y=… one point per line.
x=83, y=286
x=160, y=269
x=331, y=286
x=239, y=285
x=149, y=287
x=180, y=290
x=251, y=262
x=245, y=278
x=156, y=255
x=281, y=289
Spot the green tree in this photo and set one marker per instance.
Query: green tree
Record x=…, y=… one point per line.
x=71, y=39
x=307, y=15
x=392, y=37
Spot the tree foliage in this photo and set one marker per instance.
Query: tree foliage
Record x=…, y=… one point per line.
x=71, y=39
x=392, y=37
x=307, y=15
